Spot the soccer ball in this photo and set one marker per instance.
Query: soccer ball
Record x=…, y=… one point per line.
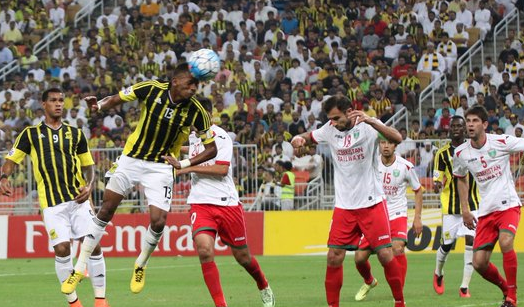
x=204, y=64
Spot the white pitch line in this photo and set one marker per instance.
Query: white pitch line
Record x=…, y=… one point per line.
x=484, y=304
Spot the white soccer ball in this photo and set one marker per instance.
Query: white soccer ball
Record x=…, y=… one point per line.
x=204, y=64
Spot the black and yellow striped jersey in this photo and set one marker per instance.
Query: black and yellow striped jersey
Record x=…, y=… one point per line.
x=164, y=126
x=57, y=157
x=443, y=172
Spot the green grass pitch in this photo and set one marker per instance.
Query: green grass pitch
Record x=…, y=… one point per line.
x=296, y=280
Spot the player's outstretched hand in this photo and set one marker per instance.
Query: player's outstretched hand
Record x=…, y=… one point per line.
x=298, y=141
x=173, y=161
x=84, y=194
x=92, y=102
x=469, y=220
x=417, y=227
x=5, y=187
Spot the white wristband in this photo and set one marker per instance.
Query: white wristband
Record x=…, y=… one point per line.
x=185, y=163
x=99, y=105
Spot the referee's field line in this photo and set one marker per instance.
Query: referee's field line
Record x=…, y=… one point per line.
x=484, y=304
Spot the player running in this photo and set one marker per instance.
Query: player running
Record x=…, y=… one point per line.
x=396, y=173
x=452, y=223
x=360, y=206
x=61, y=159
x=216, y=210
x=169, y=110
x=486, y=156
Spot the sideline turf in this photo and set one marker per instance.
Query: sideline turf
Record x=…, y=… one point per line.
x=297, y=281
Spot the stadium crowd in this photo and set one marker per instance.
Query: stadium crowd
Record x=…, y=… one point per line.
x=280, y=62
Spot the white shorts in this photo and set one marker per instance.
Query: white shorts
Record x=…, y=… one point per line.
x=453, y=227
x=155, y=177
x=66, y=221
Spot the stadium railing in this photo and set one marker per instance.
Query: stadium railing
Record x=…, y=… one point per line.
x=398, y=117
x=87, y=11
x=504, y=25
x=315, y=194
x=430, y=92
x=9, y=68
x=465, y=62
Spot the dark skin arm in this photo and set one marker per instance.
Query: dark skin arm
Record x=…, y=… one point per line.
x=85, y=191
x=213, y=170
x=210, y=151
x=5, y=184
x=104, y=104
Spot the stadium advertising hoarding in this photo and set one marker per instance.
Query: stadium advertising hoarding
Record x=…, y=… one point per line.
x=27, y=237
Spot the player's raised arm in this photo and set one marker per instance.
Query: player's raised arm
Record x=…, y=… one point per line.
x=103, y=104
x=390, y=133
x=301, y=140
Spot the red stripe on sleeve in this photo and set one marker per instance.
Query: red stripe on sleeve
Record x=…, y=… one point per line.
x=312, y=137
x=222, y=162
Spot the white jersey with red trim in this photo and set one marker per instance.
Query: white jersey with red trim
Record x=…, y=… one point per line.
x=213, y=190
x=491, y=169
x=355, y=159
x=395, y=179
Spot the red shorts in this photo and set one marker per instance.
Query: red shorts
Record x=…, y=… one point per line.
x=399, y=232
x=226, y=221
x=489, y=226
x=347, y=227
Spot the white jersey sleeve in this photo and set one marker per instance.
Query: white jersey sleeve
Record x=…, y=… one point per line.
x=208, y=189
x=512, y=144
x=322, y=134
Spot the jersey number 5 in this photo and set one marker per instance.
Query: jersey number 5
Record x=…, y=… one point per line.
x=483, y=161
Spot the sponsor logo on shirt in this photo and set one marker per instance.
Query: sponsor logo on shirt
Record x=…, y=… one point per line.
x=488, y=174
x=42, y=136
x=512, y=226
x=240, y=239
x=472, y=160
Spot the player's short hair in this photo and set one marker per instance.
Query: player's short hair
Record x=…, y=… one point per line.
x=479, y=111
x=341, y=103
x=458, y=117
x=45, y=95
x=206, y=103
x=180, y=69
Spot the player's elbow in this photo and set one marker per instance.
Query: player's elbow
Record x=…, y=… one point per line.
x=224, y=169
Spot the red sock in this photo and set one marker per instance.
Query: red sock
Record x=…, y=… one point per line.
x=365, y=271
x=253, y=268
x=333, y=283
x=492, y=275
x=509, y=261
x=403, y=265
x=212, y=279
x=393, y=274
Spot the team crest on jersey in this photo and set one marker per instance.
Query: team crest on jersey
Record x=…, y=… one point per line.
x=356, y=134
x=68, y=135
x=128, y=90
x=396, y=173
x=52, y=234
x=492, y=153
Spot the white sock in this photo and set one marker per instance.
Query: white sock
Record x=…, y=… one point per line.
x=96, y=231
x=468, y=267
x=96, y=266
x=441, y=259
x=151, y=241
x=63, y=268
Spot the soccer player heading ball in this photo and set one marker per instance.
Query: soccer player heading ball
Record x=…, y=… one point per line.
x=204, y=64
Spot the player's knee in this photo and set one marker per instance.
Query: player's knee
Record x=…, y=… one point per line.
x=242, y=256
x=360, y=257
x=385, y=255
x=480, y=265
x=398, y=250
x=97, y=251
x=446, y=247
x=205, y=253
x=506, y=242
x=62, y=249
x=335, y=257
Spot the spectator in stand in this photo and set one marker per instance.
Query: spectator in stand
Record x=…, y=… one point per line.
x=407, y=148
x=509, y=99
x=505, y=120
x=514, y=123
x=518, y=105
x=489, y=68
x=443, y=122
x=6, y=55
x=13, y=34
x=432, y=62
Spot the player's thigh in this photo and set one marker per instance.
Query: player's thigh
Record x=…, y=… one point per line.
x=57, y=223
x=232, y=226
x=374, y=223
x=399, y=229
x=81, y=216
x=486, y=233
x=157, y=180
x=508, y=223
x=123, y=175
x=451, y=223
x=344, y=232
x=203, y=220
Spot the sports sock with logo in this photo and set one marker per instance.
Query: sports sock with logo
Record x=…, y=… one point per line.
x=96, y=231
x=96, y=266
x=151, y=241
